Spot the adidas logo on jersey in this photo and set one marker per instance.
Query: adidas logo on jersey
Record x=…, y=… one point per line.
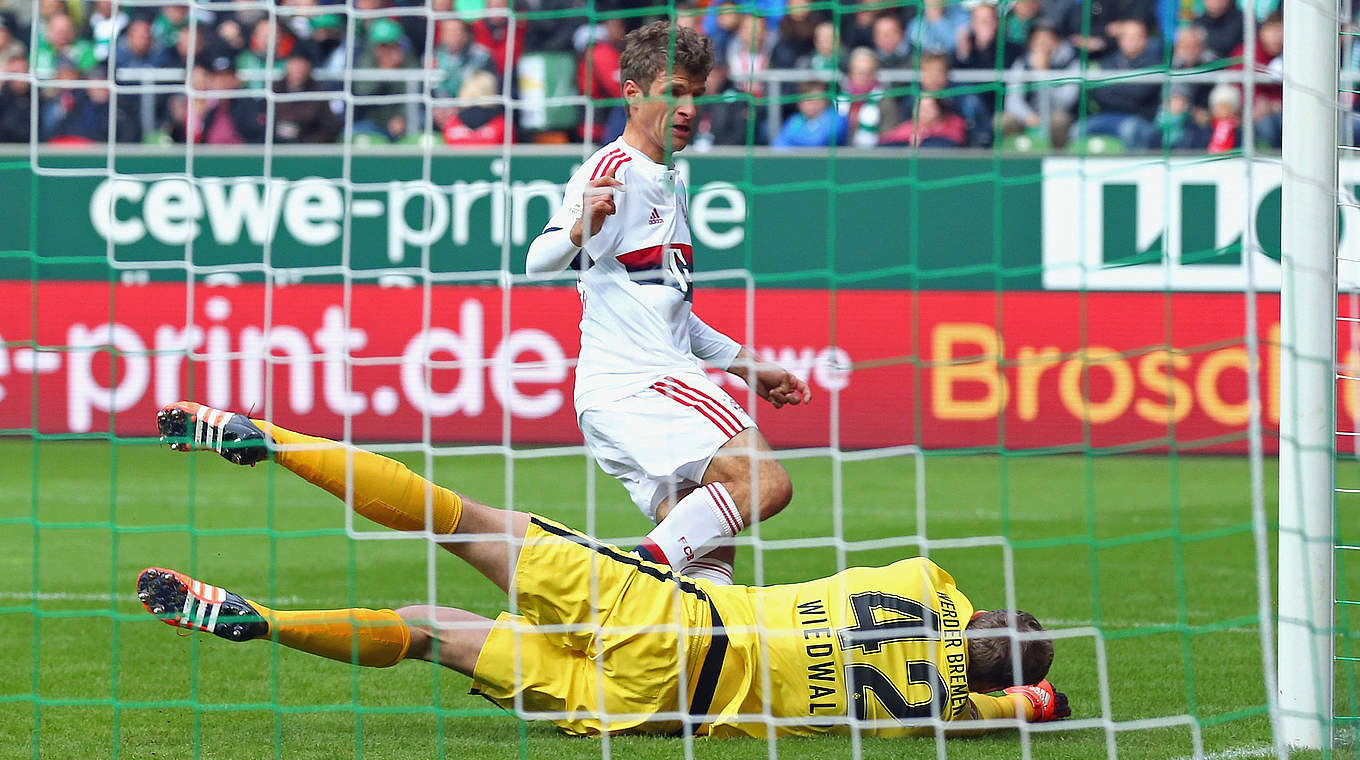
x=655, y=218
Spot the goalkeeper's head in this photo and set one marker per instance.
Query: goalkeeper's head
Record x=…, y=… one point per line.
x=992, y=644
x=663, y=68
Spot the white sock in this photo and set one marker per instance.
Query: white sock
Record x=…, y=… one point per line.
x=708, y=568
x=694, y=527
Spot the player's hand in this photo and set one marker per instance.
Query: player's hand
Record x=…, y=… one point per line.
x=780, y=386
x=1049, y=703
x=597, y=202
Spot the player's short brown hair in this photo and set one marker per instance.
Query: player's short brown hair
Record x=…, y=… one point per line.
x=989, y=649
x=647, y=51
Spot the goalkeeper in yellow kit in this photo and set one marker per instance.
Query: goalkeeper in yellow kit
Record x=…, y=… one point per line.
x=604, y=641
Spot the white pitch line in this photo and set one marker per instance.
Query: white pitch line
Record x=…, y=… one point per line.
x=1235, y=754
x=1118, y=624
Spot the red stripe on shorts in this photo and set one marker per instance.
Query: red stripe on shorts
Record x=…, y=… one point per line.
x=718, y=406
x=679, y=397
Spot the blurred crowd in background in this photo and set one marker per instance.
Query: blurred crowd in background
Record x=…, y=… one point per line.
x=931, y=73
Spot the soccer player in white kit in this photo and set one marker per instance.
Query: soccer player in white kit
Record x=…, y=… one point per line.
x=690, y=457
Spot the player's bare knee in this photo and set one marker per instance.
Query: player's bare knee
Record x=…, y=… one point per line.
x=774, y=490
x=418, y=623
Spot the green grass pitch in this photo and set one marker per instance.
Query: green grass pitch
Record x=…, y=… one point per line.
x=1155, y=550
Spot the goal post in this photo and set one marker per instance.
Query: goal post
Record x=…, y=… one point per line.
x=1307, y=374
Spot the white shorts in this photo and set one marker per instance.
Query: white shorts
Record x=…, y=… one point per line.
x=660, y=440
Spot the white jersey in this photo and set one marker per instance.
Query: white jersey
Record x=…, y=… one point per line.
x=635, y=280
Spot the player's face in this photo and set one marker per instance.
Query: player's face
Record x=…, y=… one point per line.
x=666, y=116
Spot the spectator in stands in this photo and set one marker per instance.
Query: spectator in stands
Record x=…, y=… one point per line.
x=1191, y=54
x=597, y=77
x=228, y=121
x=933, y=125
x=748, y=55
x=973, y=108
x=384, y=52
x=105, y=28
x=328, y=44
x=1183, y=127
x=1127, y=109
x=1043, y=107
x=891, y=43
x=184, y=117
x=254, y=59
x=857, y=26
x=230, y=37
x=458, y=56
x=137, y=49
x=363, y=24
x=493, y=33
x=10, y=46
x=1021, y=16
x=550, y=35
x=55, y=102
x=81, y=116
x=867, y=109
x=816, y=125
x=303, y=120
x=59, y=45
x=328, y=38
x=178, y=56
x=689, y=16
x=722, y=26
x=826, y=50
x=298, y=20
x=1225, y=113
x=480, y=125
x=979, y=47
x=1266, y=110
x=794, y=47
x=1103, y=18
x=16, y=105
x=938, y=27
x=170, y=21
x=1223, y=27
x=724, y=121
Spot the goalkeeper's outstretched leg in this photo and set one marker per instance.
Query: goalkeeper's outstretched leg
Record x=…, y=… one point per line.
x=373, y=638
x=379, y=488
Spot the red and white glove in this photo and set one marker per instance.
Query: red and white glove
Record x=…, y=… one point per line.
x=1048, y=703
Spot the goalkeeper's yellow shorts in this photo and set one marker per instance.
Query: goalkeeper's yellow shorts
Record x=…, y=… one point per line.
x=603, y=641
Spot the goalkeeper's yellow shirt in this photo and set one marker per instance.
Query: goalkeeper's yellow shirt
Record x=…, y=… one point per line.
x=881, y=645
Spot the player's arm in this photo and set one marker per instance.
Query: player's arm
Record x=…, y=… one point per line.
x=770, y=381
x=560, y=242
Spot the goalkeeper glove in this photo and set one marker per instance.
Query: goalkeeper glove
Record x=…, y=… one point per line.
x=1049, y=704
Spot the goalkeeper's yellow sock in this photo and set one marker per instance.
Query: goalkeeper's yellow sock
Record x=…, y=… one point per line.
x=385, y=490
x=374, y=638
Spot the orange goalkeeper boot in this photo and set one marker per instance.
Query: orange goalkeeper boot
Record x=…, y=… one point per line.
x=183, y=602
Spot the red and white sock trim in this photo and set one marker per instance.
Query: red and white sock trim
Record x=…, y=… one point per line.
x=725, y=508
x=648, y=547
x=714, y=570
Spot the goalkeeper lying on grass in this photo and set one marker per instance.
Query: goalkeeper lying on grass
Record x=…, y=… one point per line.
x=606, y=641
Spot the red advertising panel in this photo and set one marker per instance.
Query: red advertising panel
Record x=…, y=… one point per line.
x=939, y=369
